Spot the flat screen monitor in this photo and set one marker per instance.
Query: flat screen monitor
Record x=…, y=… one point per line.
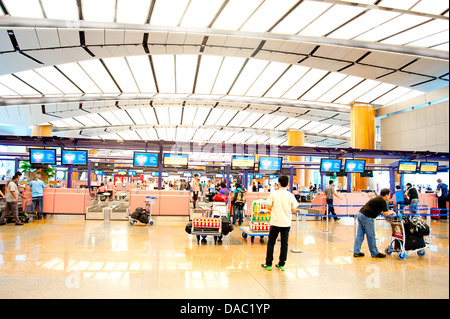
x=145, y=159
x=187, y=174
x=69, y=157
x=219, y=175
x=355, y=166
x=258, y=176
x=98, y=172
x=330, y=165
x=175, y=160
x=243, y=162
x=407, y=167
x=428, y=167
x=131, y=173
x=270, y=164
x=42, y=156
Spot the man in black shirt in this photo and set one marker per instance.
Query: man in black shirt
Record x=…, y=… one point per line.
x=366, y=223
x=413, y=197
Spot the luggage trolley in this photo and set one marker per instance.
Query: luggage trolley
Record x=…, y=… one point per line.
x=207, y=222
x=146, y=213
x=401, y=242
x=259, y=225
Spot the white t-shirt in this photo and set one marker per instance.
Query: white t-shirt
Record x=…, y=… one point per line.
x=282, y=203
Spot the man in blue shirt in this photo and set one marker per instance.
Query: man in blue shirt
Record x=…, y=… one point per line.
x=37, y=193
x=441, y=192
x=399, y=197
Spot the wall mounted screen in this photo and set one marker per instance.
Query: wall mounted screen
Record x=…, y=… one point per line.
x=175, y=160
x=74, y=157
x=270, y=164
x=355, y=166
x=428, y=167
x=330, y=165
x=407, y=167
x=42, y=156
x=145, y=159
x=243, y=162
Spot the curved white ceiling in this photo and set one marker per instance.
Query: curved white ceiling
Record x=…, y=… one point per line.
x=284, y=64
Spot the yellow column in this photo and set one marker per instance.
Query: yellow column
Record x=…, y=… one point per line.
x=42, y=130
x=362, y=121
x=297, y=138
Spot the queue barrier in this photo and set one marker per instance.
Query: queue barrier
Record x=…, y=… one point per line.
x=419, y=208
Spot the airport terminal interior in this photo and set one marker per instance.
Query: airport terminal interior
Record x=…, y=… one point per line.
x=140, y=141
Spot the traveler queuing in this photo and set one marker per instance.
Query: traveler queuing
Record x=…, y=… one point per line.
x=238, y=202
x=110, y=188
x=195, y=190
x=282, y=205
x=399, y=197
x=37, y=193
x=412, y=197
x=223, y=189
x=12, y=199
x=366, y=223
x=441, y=193
x=330, y=192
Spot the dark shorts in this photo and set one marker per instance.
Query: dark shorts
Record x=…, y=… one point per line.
x=195, y=197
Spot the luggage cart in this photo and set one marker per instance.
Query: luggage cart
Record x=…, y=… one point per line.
x=400, y=241
x=23, y=213
x=147, y=211
x=204, y=223
x=259, y=222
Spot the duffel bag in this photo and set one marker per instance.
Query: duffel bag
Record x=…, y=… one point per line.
x=220, y=198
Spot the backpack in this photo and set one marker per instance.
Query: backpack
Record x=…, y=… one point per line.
x=141, y=215
x=239, y=199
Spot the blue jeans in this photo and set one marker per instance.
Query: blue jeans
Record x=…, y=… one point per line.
x=413, y=205
x=366, y=226
x=238, y=213
x=38, y=201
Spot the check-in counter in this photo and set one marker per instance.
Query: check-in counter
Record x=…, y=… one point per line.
x=175, y=203
x=168, y=203
x=136, y=198
x=429, y=199
x=71, y=200
x=61, y=200
x=348, y=199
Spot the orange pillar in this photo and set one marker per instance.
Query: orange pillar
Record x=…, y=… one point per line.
x=297, y=138
x=42, y=130
x=362, y=121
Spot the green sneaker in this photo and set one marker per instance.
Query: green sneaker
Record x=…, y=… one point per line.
x=269, y=268
x=280, y=267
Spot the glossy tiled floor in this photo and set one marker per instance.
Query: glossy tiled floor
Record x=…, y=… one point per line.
x=68, y=257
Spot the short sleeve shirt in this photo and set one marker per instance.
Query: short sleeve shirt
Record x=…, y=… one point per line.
x=329, y=191
x=374, y=207
x=12, y=187
x=282, y=203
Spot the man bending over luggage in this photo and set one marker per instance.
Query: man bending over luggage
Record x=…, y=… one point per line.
x=366, y=223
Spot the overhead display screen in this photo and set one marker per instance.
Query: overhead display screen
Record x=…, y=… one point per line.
x=270, y=164
x=407, y=167
x=243, y=162
x=330, y=165
x=355, y=166
x=428, y=167
x=74, y=157
x=175, y=160
x=145, y=159
x=41, y=156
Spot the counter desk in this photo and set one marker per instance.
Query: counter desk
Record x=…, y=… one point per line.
x=168, y=203
x=62, y=200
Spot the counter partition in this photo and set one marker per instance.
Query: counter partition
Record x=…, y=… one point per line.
x=167, y=202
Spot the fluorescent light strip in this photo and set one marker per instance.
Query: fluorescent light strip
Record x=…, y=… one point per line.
x=142, y=73
x=330, y=20
x=235, y=13
x=200, y=13
x=132, y=11
x=98, y=10
x=267, y=15
x=24, y=8
x=272, y=72
x=302, y=16
x=248, y=76
x=186, y=66
x=74, y=72
x=165, y=72
x=208, y=70
x=168, y=12
x=228, y=71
